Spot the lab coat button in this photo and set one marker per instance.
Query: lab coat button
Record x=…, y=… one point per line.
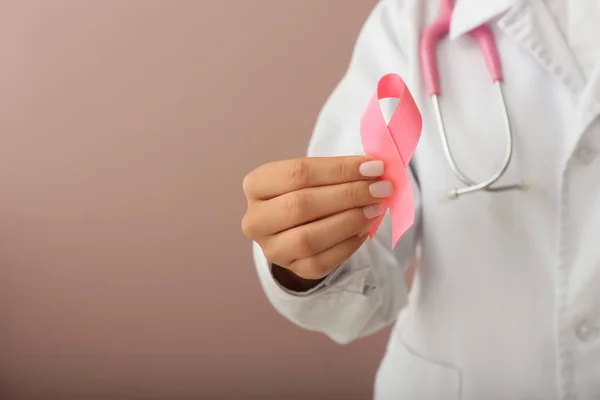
x=587, y=332
x=585, y=154
x=367, y=289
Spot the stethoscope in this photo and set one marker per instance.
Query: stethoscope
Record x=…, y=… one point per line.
x=484, y=37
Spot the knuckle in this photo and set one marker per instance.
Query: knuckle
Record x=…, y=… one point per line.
x=303, y=241
x=313, y=268
x=272, y=253
x=247, y=184
x=353, y=195
x=342, y=170
x=248, y=226
x=350, y=222
x=296, y=205
x=299, y=172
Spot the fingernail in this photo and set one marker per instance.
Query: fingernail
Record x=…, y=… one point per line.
x=373, y=210
x=381, y=189
x=371, y=168
x=365, y=231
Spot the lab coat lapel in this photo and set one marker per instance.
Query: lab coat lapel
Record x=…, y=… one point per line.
x=589, y=104
x=531, y=24
x=469, y=14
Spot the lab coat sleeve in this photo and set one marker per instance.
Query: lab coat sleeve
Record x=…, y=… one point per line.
x=367, y=291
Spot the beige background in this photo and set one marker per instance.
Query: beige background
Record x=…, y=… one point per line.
x=126, y=127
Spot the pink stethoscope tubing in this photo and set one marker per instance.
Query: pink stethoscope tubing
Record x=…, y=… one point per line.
x=484, y=37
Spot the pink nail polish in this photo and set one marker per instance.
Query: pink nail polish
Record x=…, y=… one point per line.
x=381, y=189
x=373, y=210
x=371, y=169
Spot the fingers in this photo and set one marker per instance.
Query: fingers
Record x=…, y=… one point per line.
x=309, y=215
x=321, y=264
x=276, y=178
x=316, y=237
x=297, y=208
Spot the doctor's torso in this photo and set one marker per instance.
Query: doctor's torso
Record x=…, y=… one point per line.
x=509, y=282
x=506, y=299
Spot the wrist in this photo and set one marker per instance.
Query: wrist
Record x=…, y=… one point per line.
x=293, y=282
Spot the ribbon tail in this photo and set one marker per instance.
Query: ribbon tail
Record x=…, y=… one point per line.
x=402, y=213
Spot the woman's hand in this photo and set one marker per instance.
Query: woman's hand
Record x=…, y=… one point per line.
x=310, y=214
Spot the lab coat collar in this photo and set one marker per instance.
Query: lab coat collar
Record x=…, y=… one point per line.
x=469, y=14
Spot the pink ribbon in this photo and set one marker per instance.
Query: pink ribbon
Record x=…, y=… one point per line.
x=394, y=144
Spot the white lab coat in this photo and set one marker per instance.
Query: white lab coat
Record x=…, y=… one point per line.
x=506, y=300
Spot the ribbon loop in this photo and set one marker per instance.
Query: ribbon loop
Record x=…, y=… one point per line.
x=394, y=144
